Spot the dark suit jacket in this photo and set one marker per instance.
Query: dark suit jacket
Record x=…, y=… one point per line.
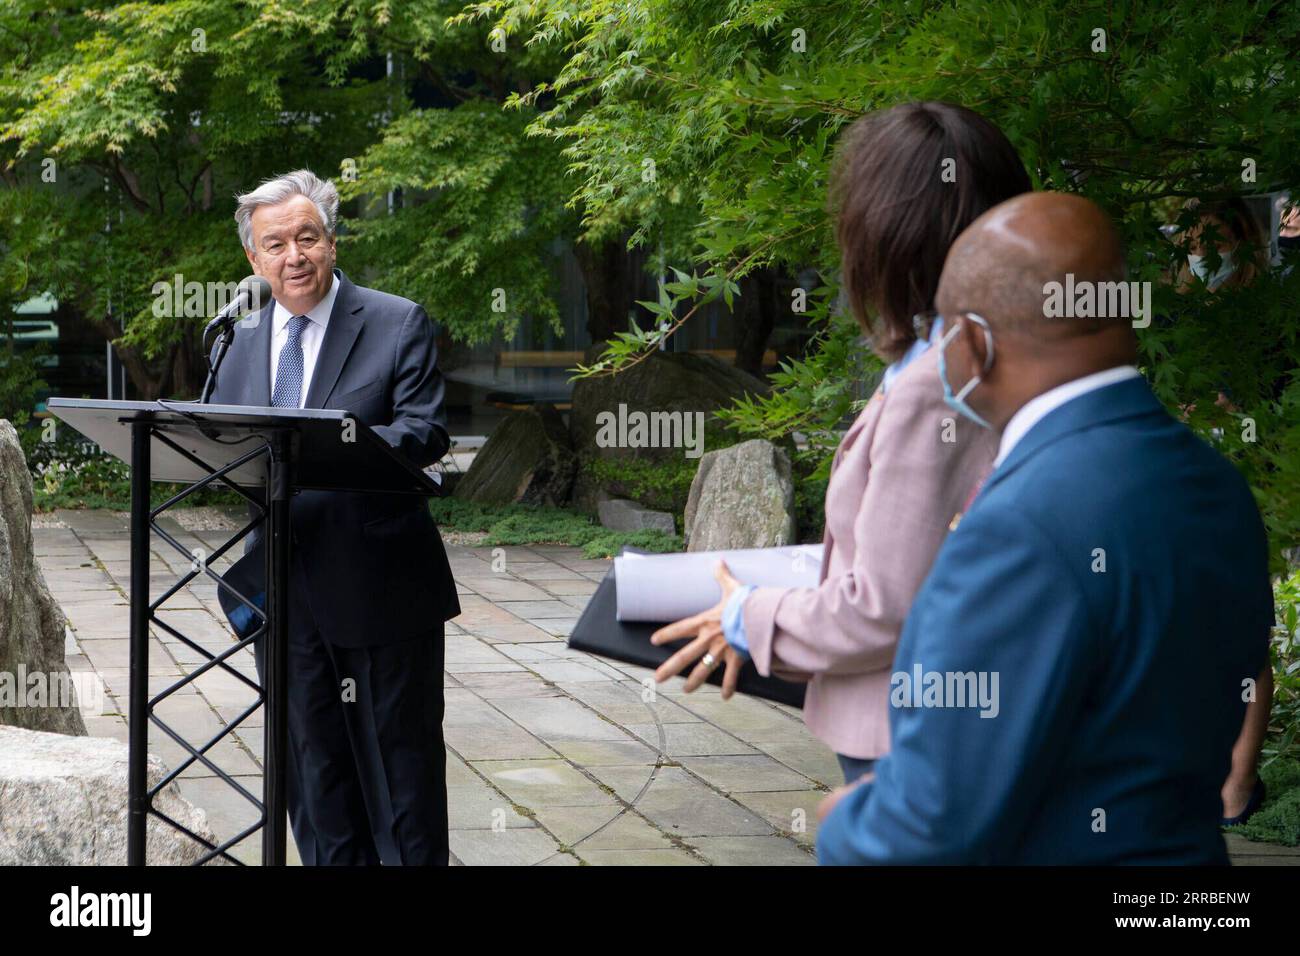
x=370, y=567
x=1120, y=690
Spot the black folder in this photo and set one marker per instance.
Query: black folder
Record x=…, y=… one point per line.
x=599, y=632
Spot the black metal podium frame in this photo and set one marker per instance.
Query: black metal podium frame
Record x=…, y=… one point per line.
x=274, y=512
x=271, y=510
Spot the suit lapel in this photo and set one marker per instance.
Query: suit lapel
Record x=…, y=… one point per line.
x=259, y=379
x=340, y=334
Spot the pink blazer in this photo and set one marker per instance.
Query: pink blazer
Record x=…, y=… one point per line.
x=904, y=470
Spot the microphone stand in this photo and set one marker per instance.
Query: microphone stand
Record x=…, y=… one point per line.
x=248, y=299
x=223, y=343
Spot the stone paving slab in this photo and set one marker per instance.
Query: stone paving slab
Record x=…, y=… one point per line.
x=554, y=757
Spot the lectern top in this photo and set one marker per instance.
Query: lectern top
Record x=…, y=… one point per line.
x=330, y=450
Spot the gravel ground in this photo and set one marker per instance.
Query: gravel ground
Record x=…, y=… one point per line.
x=468, y=539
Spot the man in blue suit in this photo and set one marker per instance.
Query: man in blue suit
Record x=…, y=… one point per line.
x=1075, y=669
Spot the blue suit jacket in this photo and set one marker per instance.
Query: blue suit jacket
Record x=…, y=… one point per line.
x=1120, y=691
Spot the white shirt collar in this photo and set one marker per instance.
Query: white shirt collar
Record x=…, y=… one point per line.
x=320, y=312
x=1037, y=408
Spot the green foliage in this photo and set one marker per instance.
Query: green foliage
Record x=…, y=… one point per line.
x=710, y=125
x=20, y=383
x=1278, y=821
x=661, y=485
x=148, y=118
x=810, y=396
x=529, y=524
x=457, y=514
x=609, y=544
x=1284, y=655
x=809, y=505
x=70, y=473
x=471, y=223
x=84, y=480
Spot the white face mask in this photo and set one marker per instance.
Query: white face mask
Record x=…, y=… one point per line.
x=1201, y=269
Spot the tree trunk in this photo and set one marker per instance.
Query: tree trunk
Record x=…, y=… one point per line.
x=148, y=383
x=755, y=317
x=608, y=287
x=188, y=370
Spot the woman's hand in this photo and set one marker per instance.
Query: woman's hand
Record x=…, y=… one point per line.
x=709, y=643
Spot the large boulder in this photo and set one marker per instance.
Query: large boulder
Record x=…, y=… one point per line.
x=677, y=383
x=32, y=626
x=65, y=804
x=742, y=497
x=526, y=459
x=662, y=391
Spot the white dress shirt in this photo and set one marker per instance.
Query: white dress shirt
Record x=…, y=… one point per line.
x=1034, y=410
x=313, y=334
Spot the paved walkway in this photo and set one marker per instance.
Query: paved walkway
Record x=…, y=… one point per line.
x=554, y=757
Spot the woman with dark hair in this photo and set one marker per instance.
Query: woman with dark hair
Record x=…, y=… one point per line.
x=906, y=182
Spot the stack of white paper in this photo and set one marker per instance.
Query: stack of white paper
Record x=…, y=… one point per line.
x=668, y=587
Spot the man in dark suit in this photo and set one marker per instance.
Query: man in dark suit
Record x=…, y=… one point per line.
x=369, y=580
x=1074, y=671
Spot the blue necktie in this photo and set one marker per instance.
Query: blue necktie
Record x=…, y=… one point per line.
x=288, y=372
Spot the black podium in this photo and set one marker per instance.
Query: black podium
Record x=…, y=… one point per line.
x=264, y=455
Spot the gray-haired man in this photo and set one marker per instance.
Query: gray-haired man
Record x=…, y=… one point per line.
x=370, y=585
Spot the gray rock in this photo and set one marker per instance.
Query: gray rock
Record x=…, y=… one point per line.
x=65, y=804
x=32, y=625
x=742, y=497
x=672, y=382
x=526, y=459
x=587, y=492
x=620, y=514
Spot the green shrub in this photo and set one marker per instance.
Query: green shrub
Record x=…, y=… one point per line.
x=70, y=472
x=606, y=543
x=20, y=384
x=456, y=514
x=531, y=525
x=1284, y=654
x=664, y=484
x=1278, y=821
x=661, y=485
x=809, y=505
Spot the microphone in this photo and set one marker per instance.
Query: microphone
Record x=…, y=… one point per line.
x=250, y=296
x=252, y=293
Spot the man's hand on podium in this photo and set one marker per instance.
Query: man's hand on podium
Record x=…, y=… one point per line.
x=709, y=643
